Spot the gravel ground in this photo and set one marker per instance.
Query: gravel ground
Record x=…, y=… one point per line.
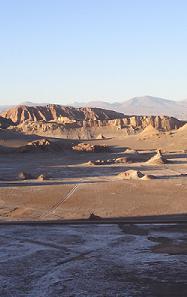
x=93, y=260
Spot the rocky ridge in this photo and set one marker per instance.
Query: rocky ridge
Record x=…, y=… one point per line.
x=58, y=113
x=83, y=123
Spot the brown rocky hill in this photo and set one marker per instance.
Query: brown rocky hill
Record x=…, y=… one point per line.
x=89, y=129
x=53, y=112
x=83, y=123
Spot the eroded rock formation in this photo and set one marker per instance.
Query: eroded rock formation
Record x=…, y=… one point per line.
x=86, y=147
x=84, y=123
x=58, y=113
x=40, y=145
x=135, y=175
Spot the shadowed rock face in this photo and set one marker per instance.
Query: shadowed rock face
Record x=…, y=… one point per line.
x=4, y=122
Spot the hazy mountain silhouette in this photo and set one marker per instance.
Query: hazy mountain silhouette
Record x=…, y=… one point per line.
x=27, y=103
x=4, y=107
x=146, y=105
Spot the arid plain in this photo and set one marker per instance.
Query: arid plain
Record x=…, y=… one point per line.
x=110, y=173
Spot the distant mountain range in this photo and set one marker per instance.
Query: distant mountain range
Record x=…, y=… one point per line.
x=26, y=103
x=4, y=107
x=146, y=105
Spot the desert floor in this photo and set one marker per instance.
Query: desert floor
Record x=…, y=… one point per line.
x=75, y=189
x=97, y=260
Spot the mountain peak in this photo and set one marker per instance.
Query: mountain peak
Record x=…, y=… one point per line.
x=145, y=105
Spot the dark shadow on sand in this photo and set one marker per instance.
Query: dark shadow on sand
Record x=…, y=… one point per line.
x=174, y=218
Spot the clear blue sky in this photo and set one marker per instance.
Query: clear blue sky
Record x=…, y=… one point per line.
x=68, y=50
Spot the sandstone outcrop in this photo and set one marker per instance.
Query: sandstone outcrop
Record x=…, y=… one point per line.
x=88, y=148
x=58, y=113
x=84, y=123
x=39, y=145
x=88, y=117
x=135, y=175
x=158, y=159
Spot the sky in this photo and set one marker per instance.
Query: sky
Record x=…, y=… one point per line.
x=63, y=51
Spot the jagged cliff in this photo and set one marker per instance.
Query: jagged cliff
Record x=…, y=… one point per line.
x=58, y=113
x=88, y=129
x=70, y=122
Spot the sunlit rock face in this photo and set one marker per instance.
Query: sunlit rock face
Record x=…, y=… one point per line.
x=82, y=123
x=55, y=112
